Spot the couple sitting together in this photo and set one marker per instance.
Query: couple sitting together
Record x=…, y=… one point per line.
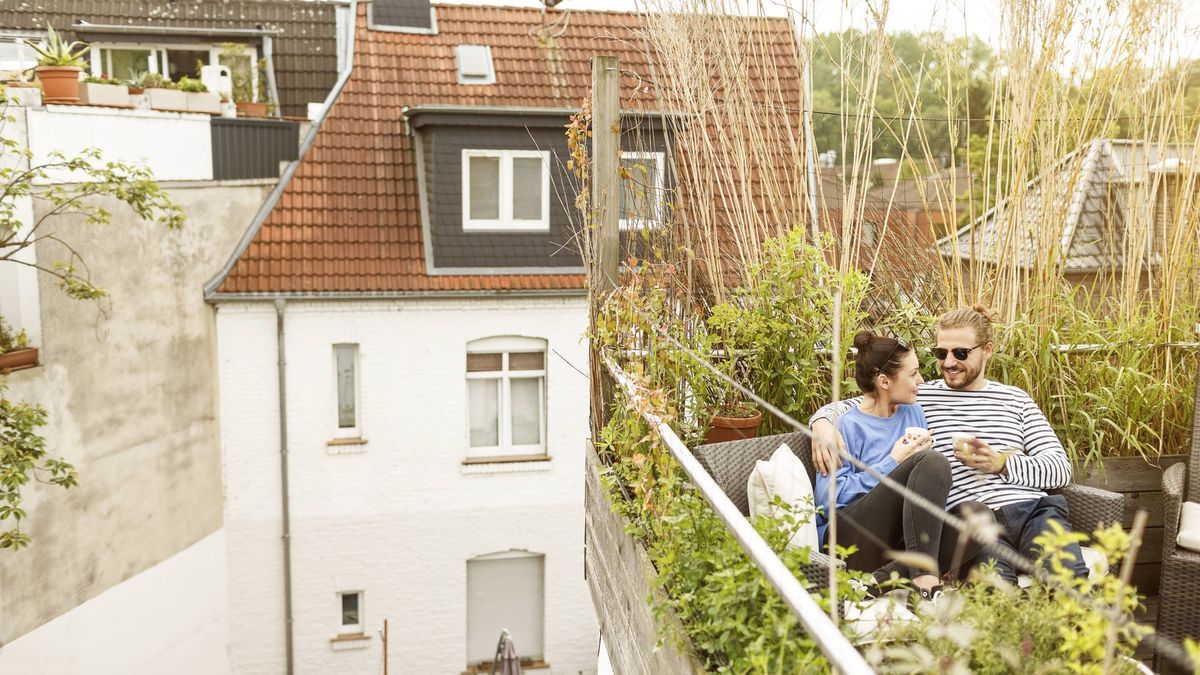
x=963, y=443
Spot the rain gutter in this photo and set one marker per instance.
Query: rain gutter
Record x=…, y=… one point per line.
x=281, y=352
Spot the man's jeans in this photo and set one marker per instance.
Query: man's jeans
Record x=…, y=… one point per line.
x=1022, y=522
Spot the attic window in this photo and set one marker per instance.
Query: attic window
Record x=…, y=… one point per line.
x=475, y=64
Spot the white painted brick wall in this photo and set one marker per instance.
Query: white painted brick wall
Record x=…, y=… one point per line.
x=400, y=520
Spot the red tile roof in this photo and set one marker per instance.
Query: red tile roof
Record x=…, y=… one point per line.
x=349, y=220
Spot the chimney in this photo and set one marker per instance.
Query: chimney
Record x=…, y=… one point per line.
x=408, y=16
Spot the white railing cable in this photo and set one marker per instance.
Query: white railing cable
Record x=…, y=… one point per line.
x=1171, y=649
x=836, y=647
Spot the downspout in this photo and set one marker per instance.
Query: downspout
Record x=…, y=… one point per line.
x=281, y=350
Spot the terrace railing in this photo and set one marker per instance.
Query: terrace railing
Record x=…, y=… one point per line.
x=252, y=148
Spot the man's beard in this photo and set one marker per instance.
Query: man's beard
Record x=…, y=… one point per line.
x=964, y=376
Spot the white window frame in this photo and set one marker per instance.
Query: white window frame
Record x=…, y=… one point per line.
x=506, y=346
x=338, y=430
x=354, y=628
x=656, y=218
x=508, y=555
x=506, y=222
x=157, y=63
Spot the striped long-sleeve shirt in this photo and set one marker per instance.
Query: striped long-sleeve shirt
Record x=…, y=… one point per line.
x=1005, y=418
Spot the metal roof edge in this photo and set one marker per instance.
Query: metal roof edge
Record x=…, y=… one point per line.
x=451, y=109
x=395, y=295
x=268, y=205
x=179, y=30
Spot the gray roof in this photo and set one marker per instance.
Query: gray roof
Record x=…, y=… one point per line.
x=1095, y=184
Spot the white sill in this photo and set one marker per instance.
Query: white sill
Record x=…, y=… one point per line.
x=346, y=446
x=343, y=643
x=503, y=227
x=509, y=464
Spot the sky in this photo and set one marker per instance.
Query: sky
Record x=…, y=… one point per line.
x=980, y=18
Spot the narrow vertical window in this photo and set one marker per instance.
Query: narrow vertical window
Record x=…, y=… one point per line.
x=351, y=614
x=640, y=202
x=346, y=373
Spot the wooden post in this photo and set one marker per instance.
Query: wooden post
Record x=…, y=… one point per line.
x=385, y=647
x=606, y=145
x=605, y=204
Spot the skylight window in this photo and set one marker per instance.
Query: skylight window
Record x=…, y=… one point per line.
x=475, y=64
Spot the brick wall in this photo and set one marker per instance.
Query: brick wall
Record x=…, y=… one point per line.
x=399, y=518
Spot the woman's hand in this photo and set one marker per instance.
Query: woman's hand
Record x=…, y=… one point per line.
x=911, y=444
x=827, y=446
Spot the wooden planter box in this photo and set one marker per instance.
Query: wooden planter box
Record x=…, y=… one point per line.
x=1141, y=483
x=167, y=99
x=116, y=95
x=19, y=359
x=204, y=102
x=619, y=576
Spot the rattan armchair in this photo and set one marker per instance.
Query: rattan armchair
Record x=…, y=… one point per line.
x=1178, y=600
x=730, y=465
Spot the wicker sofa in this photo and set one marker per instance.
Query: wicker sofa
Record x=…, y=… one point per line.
x=1178, y=604
x=730, y=465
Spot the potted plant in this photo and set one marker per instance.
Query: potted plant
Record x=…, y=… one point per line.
x=104, y=90
x=15, y=352
x=199, y=98
x=59, y=66
x=162, y=93
x=734, y=420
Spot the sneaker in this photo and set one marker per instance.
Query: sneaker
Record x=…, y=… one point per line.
x=919, y=596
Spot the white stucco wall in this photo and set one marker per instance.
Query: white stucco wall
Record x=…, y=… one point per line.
x=174, y=146
x=400, y=519
x=177, y=606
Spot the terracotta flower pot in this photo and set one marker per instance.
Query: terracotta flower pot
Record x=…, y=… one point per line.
x=722, y=429
x=60, y=84
x=21, y=358
x=248, y=109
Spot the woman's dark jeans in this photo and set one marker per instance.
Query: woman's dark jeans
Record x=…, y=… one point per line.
x=883, y=520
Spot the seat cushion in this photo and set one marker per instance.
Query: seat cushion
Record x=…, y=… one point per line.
x=783, y=476
x=1189, y=527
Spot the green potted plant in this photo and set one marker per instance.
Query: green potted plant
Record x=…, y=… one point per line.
x=199, y=98
x=735, y=419
x=15, y=352
x=162, y=94
x=104, y=90
x=59, y=66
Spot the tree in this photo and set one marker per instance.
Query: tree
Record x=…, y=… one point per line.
x=23, y=453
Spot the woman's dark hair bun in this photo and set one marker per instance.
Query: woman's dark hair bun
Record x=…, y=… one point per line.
x=862, y=340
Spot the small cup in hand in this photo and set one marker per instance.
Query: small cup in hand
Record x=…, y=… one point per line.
x=915, y=434
x=964, y=445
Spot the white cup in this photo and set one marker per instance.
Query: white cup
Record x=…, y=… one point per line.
x=915, y=434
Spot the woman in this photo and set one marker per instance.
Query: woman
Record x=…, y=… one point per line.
x=888, y=433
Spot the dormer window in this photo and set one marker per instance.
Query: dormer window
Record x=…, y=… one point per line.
x=475, y=64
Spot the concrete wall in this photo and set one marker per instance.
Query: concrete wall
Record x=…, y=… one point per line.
x=130, y=386
x=174, y=146
x=172, y=618
x=398, y=517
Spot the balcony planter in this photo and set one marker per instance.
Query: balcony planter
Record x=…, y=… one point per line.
x=19, y=359
x=167, y=99
x=116, y=95
x=203, y=102
x=250, y=109
x=734, y=423
x=60, y=84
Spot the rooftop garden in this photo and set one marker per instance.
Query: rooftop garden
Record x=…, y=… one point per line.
x=742, y=278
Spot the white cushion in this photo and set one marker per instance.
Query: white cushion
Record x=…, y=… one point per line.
x=1189, y=527
x=867, y=618
x=1096, y=562
x=783, y=476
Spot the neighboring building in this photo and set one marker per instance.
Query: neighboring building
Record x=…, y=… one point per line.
x=297, y=43
x=126, y=572
x=1099, y=204
x=421, y=275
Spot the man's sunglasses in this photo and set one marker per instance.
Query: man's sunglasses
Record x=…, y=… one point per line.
x=960, y=353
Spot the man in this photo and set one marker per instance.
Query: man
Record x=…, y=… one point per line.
x=1013, y=457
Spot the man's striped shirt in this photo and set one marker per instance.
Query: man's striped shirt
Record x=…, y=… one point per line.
x=1005, y=418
